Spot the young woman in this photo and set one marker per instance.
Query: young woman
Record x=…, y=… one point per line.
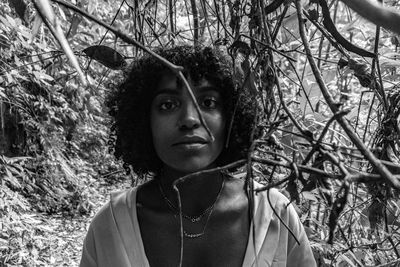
x=159, y=132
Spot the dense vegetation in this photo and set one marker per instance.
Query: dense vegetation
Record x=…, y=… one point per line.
x=327, y=80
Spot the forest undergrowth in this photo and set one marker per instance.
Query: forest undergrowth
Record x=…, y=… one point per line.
x=30, y=238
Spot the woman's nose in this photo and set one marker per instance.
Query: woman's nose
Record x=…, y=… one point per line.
x=189, y=118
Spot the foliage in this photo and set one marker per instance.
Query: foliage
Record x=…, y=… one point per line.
x=328, y=138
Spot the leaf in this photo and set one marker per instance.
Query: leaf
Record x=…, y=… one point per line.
x=92, y=7
x=389, y=63
x=4, y=41
x=62, y=14
x=106, y=56
x=346, y=261
x=309, y=196
x=36, y=26
x=337, y=209
x=19, y=7
x=11, y=179
x=76, y=20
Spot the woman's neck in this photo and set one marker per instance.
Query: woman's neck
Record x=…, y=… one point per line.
x=196, y=193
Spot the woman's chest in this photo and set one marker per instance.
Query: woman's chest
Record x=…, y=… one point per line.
x=222, y=240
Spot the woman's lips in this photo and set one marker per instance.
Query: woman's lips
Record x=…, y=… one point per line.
x=190, y=140
x=190, y=146
x=190, y=143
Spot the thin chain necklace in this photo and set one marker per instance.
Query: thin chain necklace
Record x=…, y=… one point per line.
x=173, y=208
x=193, y=219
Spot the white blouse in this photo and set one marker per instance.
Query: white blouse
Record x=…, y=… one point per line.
x=114, y=239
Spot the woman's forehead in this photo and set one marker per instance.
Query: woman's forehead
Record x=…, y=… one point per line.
x=170, y=83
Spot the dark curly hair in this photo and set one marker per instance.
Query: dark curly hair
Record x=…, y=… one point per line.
x=130, y=105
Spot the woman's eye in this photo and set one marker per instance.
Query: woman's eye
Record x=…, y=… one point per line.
x=168, y=105
x=210, y=102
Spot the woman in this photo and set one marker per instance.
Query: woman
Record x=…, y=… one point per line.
x=159, y=132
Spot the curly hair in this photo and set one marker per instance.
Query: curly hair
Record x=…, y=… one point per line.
x=130, y=105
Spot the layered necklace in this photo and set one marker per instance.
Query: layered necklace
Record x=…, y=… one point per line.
x=192, y=218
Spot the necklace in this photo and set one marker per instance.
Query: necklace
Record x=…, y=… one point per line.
x=173, y=208
x=193, y=219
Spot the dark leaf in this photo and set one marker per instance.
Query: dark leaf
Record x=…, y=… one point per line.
x=4, y=41
x=293, y=188
x=336, y=210
x=106, y=56
x=273, y=6
x=239, y=47
x=314, y=15
x=19, y=7
x=395, y=40
x=309, y=134
x=343, y=63
x=221, y=41
x=76, y=20
x=375, y=213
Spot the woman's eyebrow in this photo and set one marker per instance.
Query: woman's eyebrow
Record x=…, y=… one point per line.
x=178, y=91
x=167, y=91
x=208, y=88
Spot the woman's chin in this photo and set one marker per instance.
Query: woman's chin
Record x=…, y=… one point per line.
x=191, y=167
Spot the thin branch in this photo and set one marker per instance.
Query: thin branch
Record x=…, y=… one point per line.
x=324, y=131
x=270, y=47
x=195, y=22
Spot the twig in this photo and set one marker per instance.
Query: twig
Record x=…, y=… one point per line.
x=196, y=105
x=375, y=62
x=195, y=22
x=279, y=24
x=171, y=18
x=181, y=233
x=279, y=217
x=324, y=131
x=203, y=6
x=195, y=174
x=269, y=47
x=300, y=82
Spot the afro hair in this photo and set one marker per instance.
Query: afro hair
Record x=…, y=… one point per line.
x=129, y=105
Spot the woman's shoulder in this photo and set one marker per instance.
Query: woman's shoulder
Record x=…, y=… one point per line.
x=118, y=200
x=272, y=195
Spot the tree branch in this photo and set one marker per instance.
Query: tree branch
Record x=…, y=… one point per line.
x=195, y=22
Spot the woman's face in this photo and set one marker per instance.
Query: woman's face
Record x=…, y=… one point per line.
x=179, y=139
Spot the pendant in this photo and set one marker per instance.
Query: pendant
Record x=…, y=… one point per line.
x=192, y=235
x=194, y=219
